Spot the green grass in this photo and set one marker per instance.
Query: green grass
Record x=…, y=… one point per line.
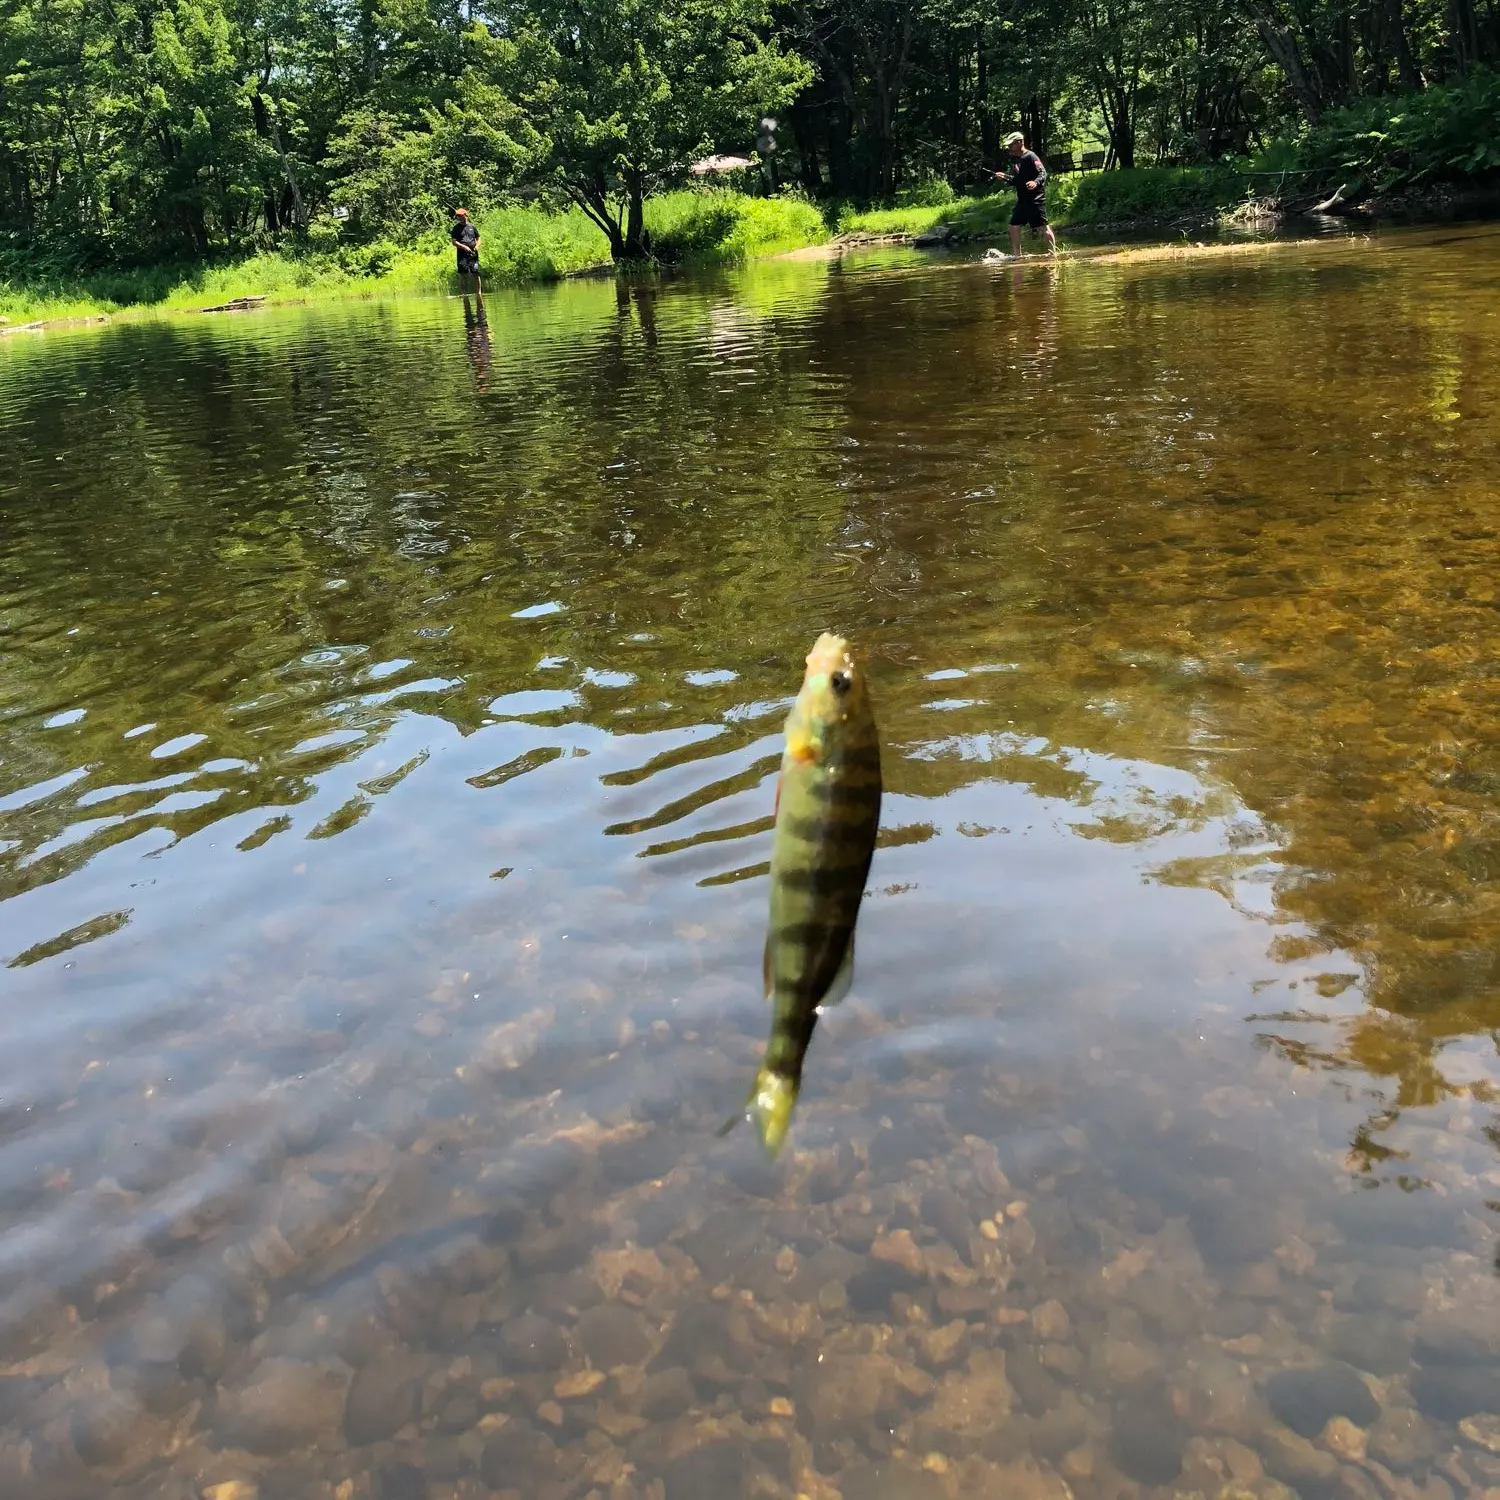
x=1155, y=193
x=29, y=297
x=1142, y=194
x=714, y=227
x=726, y=228
x=912, y=219
x=973, y=217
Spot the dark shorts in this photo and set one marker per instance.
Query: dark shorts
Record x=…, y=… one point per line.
x=468, y=262
x=1033, y=213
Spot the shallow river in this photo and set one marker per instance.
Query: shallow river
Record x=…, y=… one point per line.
x=389, y=707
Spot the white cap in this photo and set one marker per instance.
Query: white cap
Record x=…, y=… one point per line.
x=1012, y=138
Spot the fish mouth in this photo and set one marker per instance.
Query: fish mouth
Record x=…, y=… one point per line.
x=829, y=653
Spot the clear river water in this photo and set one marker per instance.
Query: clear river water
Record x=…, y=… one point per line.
x=390, y=703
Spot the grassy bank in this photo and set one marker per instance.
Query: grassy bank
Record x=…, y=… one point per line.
x=1142, y=195
x=519, y=244
x=527, y=244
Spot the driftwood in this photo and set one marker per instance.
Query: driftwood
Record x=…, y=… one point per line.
x=236, y=304
x=1332, y=204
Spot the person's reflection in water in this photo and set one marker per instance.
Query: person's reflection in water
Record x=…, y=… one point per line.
x=477, y=338
x=1035, y=305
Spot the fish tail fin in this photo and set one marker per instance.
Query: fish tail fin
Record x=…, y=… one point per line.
x=770, y=1105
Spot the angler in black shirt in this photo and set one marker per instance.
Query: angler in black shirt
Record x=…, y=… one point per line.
x=465, y=239
x=1028, y=177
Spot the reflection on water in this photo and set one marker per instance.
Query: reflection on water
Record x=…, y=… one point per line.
x=389, y=699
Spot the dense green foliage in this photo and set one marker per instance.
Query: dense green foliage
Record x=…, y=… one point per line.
x=145, y=131
x=1388, y=141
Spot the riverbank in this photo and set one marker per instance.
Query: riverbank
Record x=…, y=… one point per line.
x=528, y=245
x=519, y=245
x=708, y=228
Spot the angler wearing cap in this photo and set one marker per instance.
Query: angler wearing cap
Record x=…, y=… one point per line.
x=465, y=237
x=1028, y=177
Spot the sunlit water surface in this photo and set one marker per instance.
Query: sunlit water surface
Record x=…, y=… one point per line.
x=388, y=712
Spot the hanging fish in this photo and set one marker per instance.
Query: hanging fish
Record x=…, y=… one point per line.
x=827, y=815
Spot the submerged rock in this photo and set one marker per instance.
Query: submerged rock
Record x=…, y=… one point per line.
x=1306, y=1399
x=1026, y=1480
x=1233, y=1231
x=871, y=1288
x=719, y=1469
x=889, y=1479
x=286, y=1404
x=1483, y=1432
x=969, y=1402
x=1459, y=1338
x=639, y=1158
x=1298, y=1462
x=1035, y=1388
x=1378, y=1344
x=401, y=1482
x=1147, y=1437
x=667, y=1395
x=531, y=1342
x=1451, y=1393
x=1403, y=1438
x=107, y=1430
x=843, y=1393
x=612, y=1334
x=382, y=1400
x=517, y=1455
x=944, y=1211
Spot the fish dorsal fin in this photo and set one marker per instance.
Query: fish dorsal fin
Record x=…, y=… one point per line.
x=841, y=980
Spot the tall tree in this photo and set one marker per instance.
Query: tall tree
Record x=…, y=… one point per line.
x=624, y=93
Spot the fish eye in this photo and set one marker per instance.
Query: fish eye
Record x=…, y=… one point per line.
x=839, y=681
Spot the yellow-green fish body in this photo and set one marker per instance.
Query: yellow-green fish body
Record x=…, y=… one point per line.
x=827, y=816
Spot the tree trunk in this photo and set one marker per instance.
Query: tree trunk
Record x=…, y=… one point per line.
x=1036, y=119
x=197, y=229
x=637, y=241
x=1284, y=52
x=804, y=131
x=1407, y=72
x=1118, y=108
x=592, y=197
x=955, y=111
x=840, y=154
x=1463, y=35
x=989, y=131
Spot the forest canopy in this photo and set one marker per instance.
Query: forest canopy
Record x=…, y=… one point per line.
x=138, y=130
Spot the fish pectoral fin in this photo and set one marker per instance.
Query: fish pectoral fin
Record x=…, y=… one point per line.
x=842, y=979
